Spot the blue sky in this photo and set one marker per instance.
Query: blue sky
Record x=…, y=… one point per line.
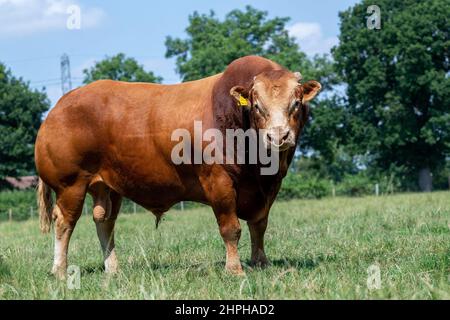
x=33, y=33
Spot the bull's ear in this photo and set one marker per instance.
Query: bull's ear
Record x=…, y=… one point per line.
x=310, y=90
x=240, y=94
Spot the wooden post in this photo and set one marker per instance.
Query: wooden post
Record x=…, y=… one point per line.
x=182, y=205
x=31, y=212
x=390, y=186
x=333, y=189
x=377, y=189
x=10, y=214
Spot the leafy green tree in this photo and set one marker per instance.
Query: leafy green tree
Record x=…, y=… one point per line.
x=324, y=140
x=398, y=84
x=21, y=111
x=121, y=68
x=212, y=44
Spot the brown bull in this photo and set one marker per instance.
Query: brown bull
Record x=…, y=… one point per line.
x=114, y=139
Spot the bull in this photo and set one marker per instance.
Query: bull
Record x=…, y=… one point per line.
x=113, y=139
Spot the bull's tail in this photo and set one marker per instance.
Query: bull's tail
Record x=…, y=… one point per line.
x=45, y=204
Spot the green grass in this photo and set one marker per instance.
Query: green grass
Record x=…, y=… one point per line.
x=320, y=249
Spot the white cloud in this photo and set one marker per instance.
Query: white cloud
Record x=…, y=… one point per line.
x=310, y=38
x=25, y=17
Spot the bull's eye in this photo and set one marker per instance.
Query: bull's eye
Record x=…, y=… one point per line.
x=259, y=110
x=295, y=106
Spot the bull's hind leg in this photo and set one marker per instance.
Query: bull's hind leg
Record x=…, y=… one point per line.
x=106, y=208
x=257, y=230
x=69, y=205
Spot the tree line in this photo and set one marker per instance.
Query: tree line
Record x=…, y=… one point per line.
x=384, y=114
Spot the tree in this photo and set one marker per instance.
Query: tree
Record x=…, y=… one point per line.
x=212, y=44
x=398, y=85
x=324, y=140
x=21, y=111
x=119, y=68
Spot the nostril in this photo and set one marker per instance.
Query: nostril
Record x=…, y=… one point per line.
x=285, y=136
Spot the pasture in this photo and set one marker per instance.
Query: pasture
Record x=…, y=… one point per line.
x=319, y=249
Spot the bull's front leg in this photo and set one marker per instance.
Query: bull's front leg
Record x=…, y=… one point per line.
x=230, y=230
x=219, y=191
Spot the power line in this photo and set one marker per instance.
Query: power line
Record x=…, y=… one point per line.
x=46, y=80
x=30, y=59
x=92, y=55
x=66, y=80
x=53, y=79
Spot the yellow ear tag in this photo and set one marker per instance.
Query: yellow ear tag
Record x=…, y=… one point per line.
x=243, y=102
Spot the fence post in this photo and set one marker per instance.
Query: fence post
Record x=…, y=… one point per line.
x=10, y=214
x=377, y=189
x=31, y=212
x=391, y=185
x=182, y=205
x=333, y=189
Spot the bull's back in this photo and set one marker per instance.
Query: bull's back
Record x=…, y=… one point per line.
x=122, y=132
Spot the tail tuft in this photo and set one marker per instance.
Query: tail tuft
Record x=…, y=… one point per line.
x=45, y=204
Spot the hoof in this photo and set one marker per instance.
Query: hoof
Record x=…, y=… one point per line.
x=111, y=270
x=59, y=272
x=260, y=263
x=235, y=270
x=111, y=263
x=259, y=259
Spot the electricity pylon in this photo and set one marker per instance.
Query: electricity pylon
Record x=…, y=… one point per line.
x=66, y=81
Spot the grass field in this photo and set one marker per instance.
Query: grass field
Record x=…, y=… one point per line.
x=320, y=249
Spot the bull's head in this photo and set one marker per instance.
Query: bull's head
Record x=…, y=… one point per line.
x=278, y=105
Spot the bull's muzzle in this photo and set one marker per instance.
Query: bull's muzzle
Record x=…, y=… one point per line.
x=279, y=138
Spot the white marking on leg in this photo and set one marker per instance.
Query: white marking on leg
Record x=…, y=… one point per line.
x=111, y=262
x=59, y=254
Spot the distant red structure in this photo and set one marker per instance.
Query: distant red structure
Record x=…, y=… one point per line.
x=22, y=183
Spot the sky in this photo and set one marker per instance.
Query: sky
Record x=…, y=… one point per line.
x=34, y=33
